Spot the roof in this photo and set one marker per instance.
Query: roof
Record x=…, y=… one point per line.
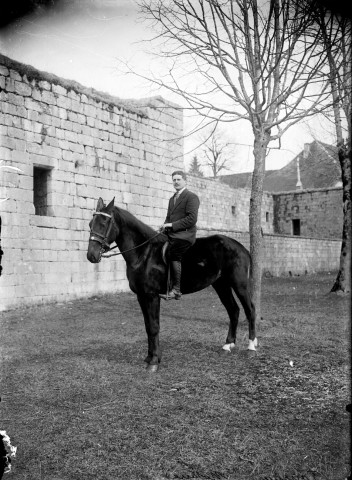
x=318, y=164
x=241, y=180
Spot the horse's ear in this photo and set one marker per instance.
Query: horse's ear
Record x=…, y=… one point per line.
x=100, y=205
x=111, y=204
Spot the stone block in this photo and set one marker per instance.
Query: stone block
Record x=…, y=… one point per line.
x=87, y=140
x=71, y=136
x=15, y=99
x=31, y=104
x=43, y=160
x=127, y=198
x=58, y=89
x=91, y=122
x=6, y=152
x=44, y=85
x=23, y=89
x=4, y=71
x=58, y=245
x=76, y=106
x=64, y=103
x=77, y=147
x=10, y=85
x=32, y=137
x=66, y=125
x=48, y=97
x=53, y=152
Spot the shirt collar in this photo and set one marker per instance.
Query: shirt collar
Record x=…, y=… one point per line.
x=180, y=191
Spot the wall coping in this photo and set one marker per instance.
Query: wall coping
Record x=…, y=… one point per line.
x=308, y=190
x=279, y=235
x=210, y=229
x=136, y=106
x=216, y=181
x=276, y=235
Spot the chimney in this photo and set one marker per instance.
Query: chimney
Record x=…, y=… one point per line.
x=299, y=185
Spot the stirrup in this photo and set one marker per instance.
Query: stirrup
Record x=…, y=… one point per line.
x=172, y=295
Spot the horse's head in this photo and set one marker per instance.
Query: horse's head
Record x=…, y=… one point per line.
x=103, y=231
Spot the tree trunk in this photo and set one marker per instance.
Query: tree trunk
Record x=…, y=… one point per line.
x=261, y=142
x=341, y=93
x=343, y=280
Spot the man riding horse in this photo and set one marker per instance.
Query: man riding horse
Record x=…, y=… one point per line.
x=215, y=260
x=180, y=227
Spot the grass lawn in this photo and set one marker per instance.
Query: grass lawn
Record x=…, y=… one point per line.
x=78, y=403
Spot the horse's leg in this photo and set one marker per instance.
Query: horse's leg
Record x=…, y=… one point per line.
x=225, y=294
x=242, y=292
x=150, y=305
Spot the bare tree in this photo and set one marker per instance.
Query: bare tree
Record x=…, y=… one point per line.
x=215, y=152
x=247, y=62
x=336, y=38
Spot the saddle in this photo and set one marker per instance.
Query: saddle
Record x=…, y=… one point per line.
x=201, y=263
x=163, y=252
x=164, y=257
x=164, y=249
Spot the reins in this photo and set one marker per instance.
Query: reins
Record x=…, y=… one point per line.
x=102, y=239
x=107, y=255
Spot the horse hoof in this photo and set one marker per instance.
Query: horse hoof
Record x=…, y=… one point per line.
x=228, y=347
x=252, y=344
x=152, y=368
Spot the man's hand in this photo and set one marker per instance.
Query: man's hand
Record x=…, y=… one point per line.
x=165, y=226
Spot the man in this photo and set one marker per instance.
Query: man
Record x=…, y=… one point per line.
x=180, y=226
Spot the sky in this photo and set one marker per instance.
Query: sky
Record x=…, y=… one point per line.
x=89, y=41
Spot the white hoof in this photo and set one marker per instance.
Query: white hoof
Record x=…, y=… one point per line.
x=252, y=344
x=228, y=347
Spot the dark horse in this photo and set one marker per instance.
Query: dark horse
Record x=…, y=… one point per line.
x=216, y=260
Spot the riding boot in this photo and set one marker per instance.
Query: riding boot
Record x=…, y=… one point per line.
x=176, y=278
x=175, y=293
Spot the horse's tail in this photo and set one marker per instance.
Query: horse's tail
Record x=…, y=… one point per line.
x=250, y=274
x=250, y=268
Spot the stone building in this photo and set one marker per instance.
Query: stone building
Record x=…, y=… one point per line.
x=309, y=213
x=306, y=193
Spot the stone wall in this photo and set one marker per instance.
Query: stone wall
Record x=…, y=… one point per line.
x=223, y=207
x=319, y=212
x=75, y=145
x=291, y=255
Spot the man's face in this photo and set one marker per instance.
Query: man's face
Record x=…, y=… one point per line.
x=179, y=182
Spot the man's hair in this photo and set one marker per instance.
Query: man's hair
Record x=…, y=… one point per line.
x=179, y=172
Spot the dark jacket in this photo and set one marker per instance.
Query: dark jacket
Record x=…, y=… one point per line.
x=183, y=216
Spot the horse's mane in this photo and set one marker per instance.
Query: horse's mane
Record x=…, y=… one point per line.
x=128, y=219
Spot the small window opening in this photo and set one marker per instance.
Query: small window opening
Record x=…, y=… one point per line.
x=267, y=216
x=233, y=210
x=41, y=179
x=296, y=226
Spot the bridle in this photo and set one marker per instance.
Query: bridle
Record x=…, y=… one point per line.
x=102, y=239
